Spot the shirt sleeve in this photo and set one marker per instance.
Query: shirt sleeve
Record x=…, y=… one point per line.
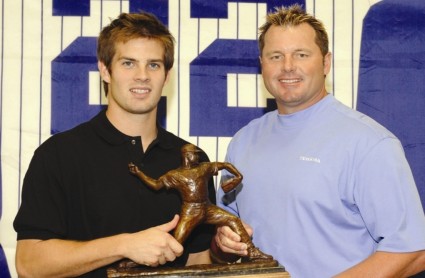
x=388, y=199
x=42, y=213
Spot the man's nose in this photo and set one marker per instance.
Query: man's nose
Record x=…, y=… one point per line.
x=141, y=74
x=288, y=64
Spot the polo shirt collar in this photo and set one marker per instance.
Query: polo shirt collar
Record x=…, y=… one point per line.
x=113, y=136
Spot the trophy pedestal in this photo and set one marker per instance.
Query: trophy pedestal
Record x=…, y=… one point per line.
x=270, y=269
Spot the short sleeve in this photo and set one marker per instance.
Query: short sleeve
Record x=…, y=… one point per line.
x=388, y=199
x=42, y=213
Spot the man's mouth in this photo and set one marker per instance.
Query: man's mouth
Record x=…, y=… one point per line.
x=140, y=90
x=290, y=81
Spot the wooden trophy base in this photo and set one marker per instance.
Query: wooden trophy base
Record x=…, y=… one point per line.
x=270, y=269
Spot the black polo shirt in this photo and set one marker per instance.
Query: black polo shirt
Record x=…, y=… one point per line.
x=78, y=186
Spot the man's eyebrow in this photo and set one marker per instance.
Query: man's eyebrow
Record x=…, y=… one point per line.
x=302, y=50
x=276, y=51
x=127, y=58
x=135, y=60
x=156, y=60
x=273, y=52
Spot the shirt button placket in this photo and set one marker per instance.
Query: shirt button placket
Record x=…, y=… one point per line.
x=134, y=153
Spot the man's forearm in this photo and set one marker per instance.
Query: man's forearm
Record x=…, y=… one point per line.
x=64, y=258
x=59, y=258
x=387, y=264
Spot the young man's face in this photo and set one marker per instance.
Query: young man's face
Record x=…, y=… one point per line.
x=137, y=76
x=293, y=67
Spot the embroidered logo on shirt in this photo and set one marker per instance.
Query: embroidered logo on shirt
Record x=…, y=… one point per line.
x=310, y=159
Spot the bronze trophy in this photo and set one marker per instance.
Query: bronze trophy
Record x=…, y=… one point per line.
x=191, y=181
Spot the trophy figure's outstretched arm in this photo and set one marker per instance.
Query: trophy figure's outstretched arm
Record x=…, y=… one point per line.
x=152, y=183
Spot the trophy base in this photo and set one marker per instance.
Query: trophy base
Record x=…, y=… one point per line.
x=267, y=269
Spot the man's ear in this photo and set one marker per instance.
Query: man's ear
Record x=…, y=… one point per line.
x=261, y=63
x=104, y=72
x=327, y=60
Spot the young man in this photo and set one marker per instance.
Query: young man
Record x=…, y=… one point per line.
x=81, y=208
x=326, y=190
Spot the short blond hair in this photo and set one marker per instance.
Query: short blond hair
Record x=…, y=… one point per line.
x=292, y=16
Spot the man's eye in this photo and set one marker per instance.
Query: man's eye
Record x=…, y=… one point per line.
x=154, y=66
x=128, y=63
x=302, y=55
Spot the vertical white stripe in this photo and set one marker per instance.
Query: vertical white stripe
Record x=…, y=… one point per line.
x=10, y=124
x=247, y=90
x=247, y=26
x=232, y=93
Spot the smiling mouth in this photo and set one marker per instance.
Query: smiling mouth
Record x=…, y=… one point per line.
x=290, y=81
x=140, y=91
